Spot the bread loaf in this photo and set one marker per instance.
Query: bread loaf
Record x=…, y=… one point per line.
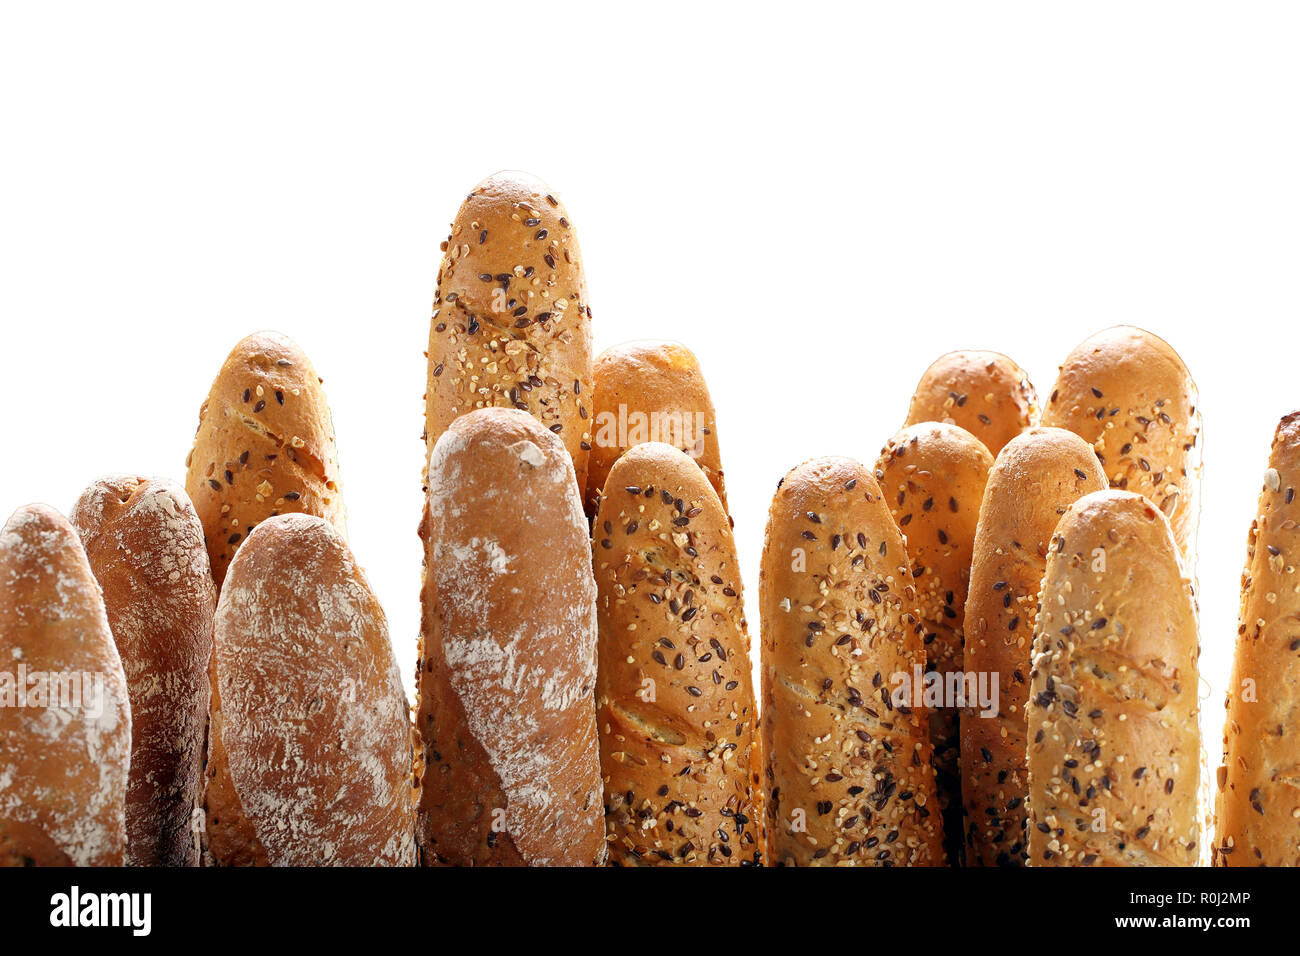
x=1130, y=396
x=265, y=446
x=313, y=720
x=1114, y=747
x=65, y=716
x=983, y=392
x=507, y=668
x=849, y=774
x=1032, y=483
x=511, y=326
x=933, y=476
x=651, y=391
x=675, y=702
x=1258, y=807
x=145, y=546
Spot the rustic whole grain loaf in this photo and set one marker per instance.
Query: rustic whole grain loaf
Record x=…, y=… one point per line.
x=983, y=392
x=65, y=715
x=507, y=669
x=511, y=326
x=265, y=446
x=674, y=697
x=145, y=545
x=849, y=774
x=1114, y=745
x=933, y=476
x=1033, y=481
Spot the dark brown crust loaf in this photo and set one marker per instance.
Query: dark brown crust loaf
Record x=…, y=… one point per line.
x=933, y=477
x=63, y=769
x=1258, y=803
x=511, y=326
x=314, y=722
x=145, y=544
x=1115, y=749
x=675, y=702
x=1128, y=394
x=265, y=446
x=1032, y=483
x=507, y=668
x=662, y=382
x=849, y=774
x=983, y=392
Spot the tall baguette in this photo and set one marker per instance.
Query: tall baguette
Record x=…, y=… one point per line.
x=1129, y=395
x=1258, y=807
x=1114, y=751
x=313, y=722
x=65, y=714
x=674, y=698
x=145, y=545
x=507, y=669
x=849, y=773
x=511, y=326
x=985, y=393
x=265, y=446
x=933, y=477
x=1035, y=478
x=652, y=391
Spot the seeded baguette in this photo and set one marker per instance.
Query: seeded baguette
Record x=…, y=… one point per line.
x=511, y=326
x=933, y=476
x=314, y=721
x=674, y=700
x=1258, y=809
x=662, y=382
x=265, y=446
x=1034, y=479
x=985, y=393
x=144, y=543
x=1128, y=394
x=63, y=769
x=849, y=774
x=1115, y=750
x=507, y=668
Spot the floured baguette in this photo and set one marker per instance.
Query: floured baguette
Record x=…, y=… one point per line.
x=983, y=392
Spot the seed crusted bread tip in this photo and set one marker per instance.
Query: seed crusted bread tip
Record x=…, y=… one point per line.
x=985, y=393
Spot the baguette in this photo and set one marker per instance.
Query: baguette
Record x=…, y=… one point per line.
x=313, y=726
x=651, y=391
x=1115, y=751
x=65, y=715
x=674, y=698
x=983, y=392
x=1128, y=394
x=265, y=446
x=1257, y=806
x=1033, y=481
x=145, y=545
x=507, y=668
x=933, y=477
x=849, y=773
x=511, y=326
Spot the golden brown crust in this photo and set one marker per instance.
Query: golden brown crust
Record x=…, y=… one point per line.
x=985, y=393
x=849, y=773
x=651, y=391
x=511, y=326
x=265, y=446
x=933, y=477
x=25, y=844
x=1128, y=394
x=1032, y=483
x=674, y=701
x=65, y=715
x=1115, y=750
x=1258, y=803
x=145, y=545
x=507, y=668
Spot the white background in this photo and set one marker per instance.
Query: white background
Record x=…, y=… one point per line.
x=817, y=199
